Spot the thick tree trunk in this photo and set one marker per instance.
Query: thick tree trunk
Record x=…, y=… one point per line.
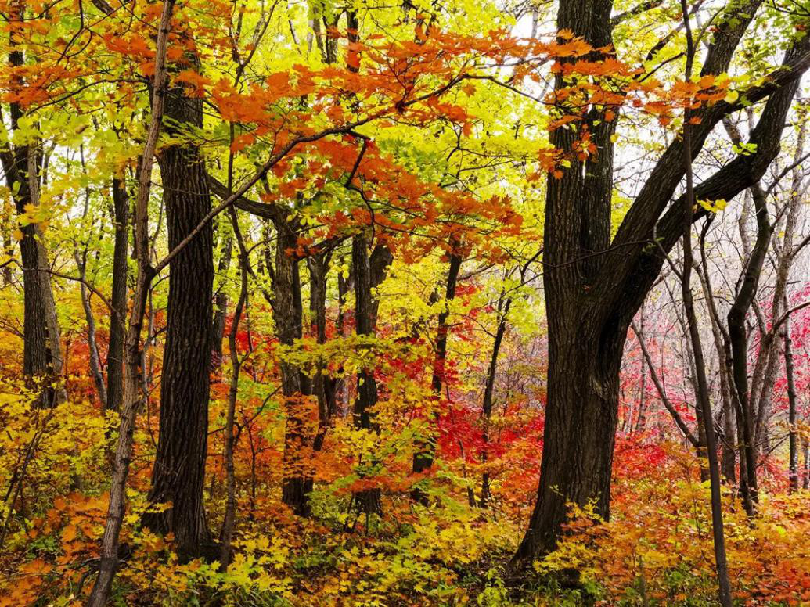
x=179, y=469
x=118, y=314
x=585, y=349
x=581, y=419
x=594, y=285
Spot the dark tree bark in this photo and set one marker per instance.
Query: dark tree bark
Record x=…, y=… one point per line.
x=287, y=315
x=641, y=415
x=369, y=272
x=179, y=469
x=115, y=353
x=42, y=357
x=283, y=266
x=738, y=336
x=323, y=386
x=594, y=286
x=442, y=329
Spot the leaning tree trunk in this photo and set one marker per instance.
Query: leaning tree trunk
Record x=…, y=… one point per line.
x=179, y=469
x=132, y=396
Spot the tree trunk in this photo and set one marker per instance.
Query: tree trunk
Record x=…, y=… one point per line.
x=132, y=399
x=287, y=312
x=115, y=353
x=179, y=469
x=367, y=501
x=595, y=285
x=323, y=386
x=702, y=393
x=738, y=336
x=42, y=358
x=92, y=344
x=229, y=520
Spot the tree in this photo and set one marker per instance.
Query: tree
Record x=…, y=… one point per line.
x=22, y=164
x=594, y=284
x=179, y=469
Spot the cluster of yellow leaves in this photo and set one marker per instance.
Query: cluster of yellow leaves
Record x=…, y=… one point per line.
x=45, y=455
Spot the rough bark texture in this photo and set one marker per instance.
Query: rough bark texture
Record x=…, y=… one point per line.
x=584, y=351
x=179, y=469
x=115, y=354
x=594, y=286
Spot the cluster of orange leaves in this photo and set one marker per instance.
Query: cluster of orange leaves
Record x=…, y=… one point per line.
x=658, y=545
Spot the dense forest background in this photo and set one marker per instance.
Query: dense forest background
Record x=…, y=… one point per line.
x=410, y=303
